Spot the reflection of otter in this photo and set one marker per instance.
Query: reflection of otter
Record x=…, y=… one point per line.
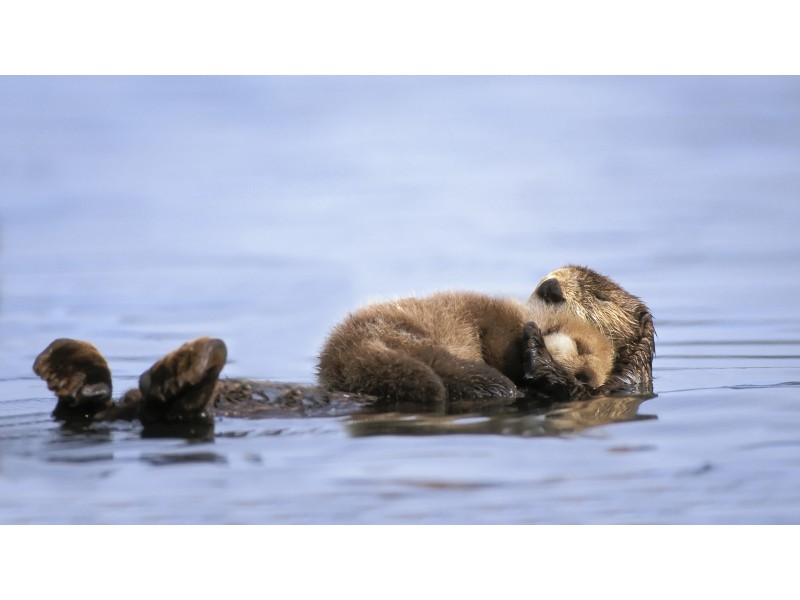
x=583, y=319
x=560, y=418
x=578, y=333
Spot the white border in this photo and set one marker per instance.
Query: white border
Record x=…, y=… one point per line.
x=400, y=562
x=394, y=37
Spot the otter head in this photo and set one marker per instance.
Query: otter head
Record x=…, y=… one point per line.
x=622, y=317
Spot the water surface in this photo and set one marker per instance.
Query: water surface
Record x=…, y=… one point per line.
x=138, y=213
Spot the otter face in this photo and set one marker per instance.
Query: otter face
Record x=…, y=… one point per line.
x=588, y=360
x=620, y=316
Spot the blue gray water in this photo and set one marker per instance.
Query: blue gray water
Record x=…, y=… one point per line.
x=138, y=213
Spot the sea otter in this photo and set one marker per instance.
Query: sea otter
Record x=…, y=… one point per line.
x=592, y=337
x=579, y=332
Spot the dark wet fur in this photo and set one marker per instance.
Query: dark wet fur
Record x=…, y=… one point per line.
x=78, y=375
x=178, y=390
x=180, y=387
x=180, y=394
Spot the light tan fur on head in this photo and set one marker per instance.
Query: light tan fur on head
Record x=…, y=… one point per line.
x=597, y=300
x=577, y=346
x=622, y=318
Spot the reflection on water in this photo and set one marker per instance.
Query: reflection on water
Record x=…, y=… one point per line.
x=138, y=213
x=183, y=458
x=527, y=420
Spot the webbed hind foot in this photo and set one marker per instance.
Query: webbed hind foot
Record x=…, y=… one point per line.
x=180, y=388
x=78, y=375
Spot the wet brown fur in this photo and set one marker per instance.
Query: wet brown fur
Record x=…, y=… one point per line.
x=181, y=386
x=78, y=375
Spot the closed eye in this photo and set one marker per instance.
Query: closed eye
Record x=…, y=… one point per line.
x=601, y=296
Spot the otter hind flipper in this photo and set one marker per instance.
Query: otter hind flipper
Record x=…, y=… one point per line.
x=78, y=375
x=181, y=386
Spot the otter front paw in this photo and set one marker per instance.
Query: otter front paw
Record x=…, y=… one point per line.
x=534, y=351
x=78, y=375
x=541, y=374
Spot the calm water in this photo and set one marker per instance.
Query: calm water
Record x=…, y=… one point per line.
x=139, y=213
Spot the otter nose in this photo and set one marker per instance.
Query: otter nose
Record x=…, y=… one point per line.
x=550, y=291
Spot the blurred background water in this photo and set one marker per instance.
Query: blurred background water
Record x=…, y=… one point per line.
x=138, y=213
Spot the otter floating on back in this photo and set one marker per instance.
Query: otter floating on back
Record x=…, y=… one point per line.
x=579, y=335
